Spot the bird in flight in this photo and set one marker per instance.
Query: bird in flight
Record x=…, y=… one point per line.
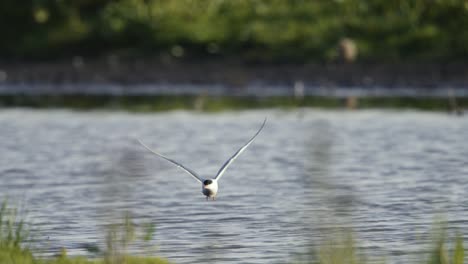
x=209, y=185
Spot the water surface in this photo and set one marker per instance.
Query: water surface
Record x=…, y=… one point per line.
x=385, y=174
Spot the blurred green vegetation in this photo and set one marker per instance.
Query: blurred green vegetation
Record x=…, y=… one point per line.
x=14, y=239
x=336, y=248
x=343, y=248
x=153, y=103
x=252, y=30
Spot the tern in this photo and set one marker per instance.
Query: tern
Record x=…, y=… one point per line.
x=209, y=185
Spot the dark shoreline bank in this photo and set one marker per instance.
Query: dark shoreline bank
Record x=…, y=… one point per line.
x=161, y=85
x=113, y=70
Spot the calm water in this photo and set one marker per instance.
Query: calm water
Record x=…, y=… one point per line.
x=388, y=175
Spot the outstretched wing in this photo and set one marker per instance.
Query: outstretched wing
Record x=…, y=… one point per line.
x=189, y=171
x=231, y=159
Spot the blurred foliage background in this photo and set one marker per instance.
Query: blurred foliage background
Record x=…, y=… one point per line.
x=252, y=30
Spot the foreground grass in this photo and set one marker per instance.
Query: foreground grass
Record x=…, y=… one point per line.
x=220, y=103
x=343, y=249
x=339, y=249
x=14, y=249
x=8, y=256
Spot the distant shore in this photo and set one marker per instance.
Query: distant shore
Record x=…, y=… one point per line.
x=127, y=72
x=160, y=85
x=207, y=103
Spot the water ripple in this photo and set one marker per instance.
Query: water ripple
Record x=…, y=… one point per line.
x=385, y=174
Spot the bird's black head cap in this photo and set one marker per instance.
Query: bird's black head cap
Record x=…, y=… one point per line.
x=207, y=182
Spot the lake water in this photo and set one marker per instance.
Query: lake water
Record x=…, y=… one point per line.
x=388, y=175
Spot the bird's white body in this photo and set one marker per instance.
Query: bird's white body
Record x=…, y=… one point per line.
x=209, y=186
x=211, y=189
